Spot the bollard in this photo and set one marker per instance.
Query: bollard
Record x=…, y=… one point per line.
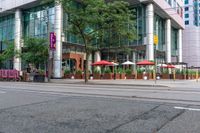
x=135, y=74
x=154, y=74
x=174, y=74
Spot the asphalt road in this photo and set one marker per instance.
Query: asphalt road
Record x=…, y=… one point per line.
x=54, y=108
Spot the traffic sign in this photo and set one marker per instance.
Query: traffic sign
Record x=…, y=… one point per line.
x=155, y=37
x=52, y=41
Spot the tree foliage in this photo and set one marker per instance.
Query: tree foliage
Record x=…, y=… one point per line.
x=35, y=51
x=99, y=23
x=8, y=53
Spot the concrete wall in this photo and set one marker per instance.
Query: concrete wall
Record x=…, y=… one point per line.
x=170, y=12
x=191, y=47
x=10, y=4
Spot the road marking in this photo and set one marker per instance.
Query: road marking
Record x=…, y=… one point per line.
x=190, y=109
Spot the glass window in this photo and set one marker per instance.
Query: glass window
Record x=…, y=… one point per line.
x=186, y=15
x=170, y=2
x=186, y=8
x=186, y=2
x=6, y=33
x=39, y=20
x=187, y=22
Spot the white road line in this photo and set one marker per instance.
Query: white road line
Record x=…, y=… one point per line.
x=184, y=108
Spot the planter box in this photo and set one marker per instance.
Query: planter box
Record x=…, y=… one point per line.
x=190, y=76
x=83, y=76
x=122, y=76
x=68, y=76
x=129, y=76
x=117, y=76
x=107, y=76
x=97, y=76
x=150, y=75
x=165, y=76
x=25, y=76
x=39, y=78
x=139, y=76
x=179, y=76
x=78, y=76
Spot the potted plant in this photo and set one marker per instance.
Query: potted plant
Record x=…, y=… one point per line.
x=116, y=73
x=179, y=74
x=35, y=53
x=165, y=74
x=129, y=74
x=193, y=74
x=139, y=73
x=78, y=74
x=185, y=74
x=150, y=74
x=67, y=74
x=107, y=74
x=39, y=76
x=97, y=74
x=122, y=73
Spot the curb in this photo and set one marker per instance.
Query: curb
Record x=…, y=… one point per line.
x=90, y=83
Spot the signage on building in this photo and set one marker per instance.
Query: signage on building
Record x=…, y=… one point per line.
x=155, y=38
x=52, y=41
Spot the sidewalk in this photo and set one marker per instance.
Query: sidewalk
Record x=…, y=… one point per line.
x=132, y=82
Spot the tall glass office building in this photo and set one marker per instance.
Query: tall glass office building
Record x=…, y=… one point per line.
x=191, y=34
x=162, y=18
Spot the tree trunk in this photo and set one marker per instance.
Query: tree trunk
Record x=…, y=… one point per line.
x=86, y=67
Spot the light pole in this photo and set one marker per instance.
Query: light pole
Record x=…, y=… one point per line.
x=49, y=51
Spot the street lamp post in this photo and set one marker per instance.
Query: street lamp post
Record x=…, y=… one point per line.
x=49, y=51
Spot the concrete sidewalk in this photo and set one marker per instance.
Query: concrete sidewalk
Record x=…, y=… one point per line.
x=132, y=82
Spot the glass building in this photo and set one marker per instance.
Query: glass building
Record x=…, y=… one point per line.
x=6, y=34
x=35, y=20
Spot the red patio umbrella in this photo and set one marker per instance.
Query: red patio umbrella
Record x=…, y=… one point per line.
x=145, y=62
x=168, y=66
x=102, y=63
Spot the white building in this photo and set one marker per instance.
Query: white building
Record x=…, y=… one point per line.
x=191, y=34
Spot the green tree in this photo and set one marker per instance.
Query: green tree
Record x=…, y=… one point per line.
x=35, y=51
x=93, y=20
x=8, y=53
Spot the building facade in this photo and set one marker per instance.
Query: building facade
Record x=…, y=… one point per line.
x=191, y=34
x=162, y=18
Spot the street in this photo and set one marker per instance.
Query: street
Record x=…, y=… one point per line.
x=79, y=108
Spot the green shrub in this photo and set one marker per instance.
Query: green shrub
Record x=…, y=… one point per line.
x=107, y=70
x=67, y=71
x=128, y=71
x=178, y=71
x=139, y=71
x=120, y=71
x=41, y=72
x=166, y=71
x=97, y=71
x=78, y=72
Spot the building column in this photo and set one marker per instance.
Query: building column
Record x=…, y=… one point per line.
x=180, y=48
x=168, y=40
x=134, y=59
x=97, y=57
x=89, y=62
x=149, y=32
x=57, y=67
x=18, y=36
